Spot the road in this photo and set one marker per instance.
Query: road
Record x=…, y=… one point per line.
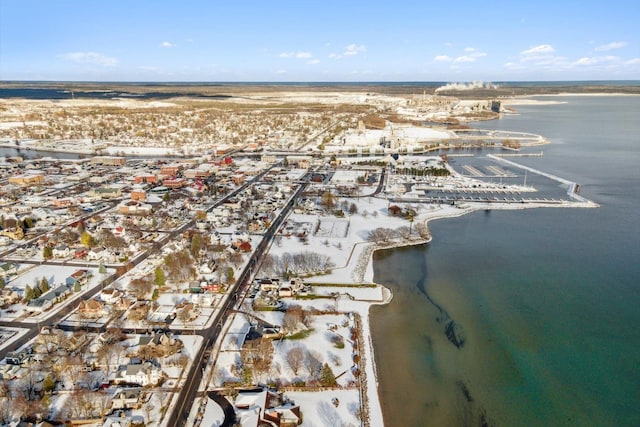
x=54, y=319
x=188, y=393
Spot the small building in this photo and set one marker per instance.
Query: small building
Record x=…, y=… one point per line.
x=174, y=182
x=8, y=268
x=138, y=195
x=170, y=170
x=127, y=398
x=145, y=179
x=108, y=160
x=91, y=309
x=78, y=277
x=27, y=179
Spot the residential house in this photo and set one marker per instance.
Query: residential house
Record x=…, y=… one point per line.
x=61, y=251
x=39, y=305
x=238, y=178
x=79, y=277
x=267, y=285
x=15, y=233
x=8, y=269
x=144, y=374
x=127, y=398
x=395, y=210
x=91, y=309
x=110, y=295
x=8, y=297
x=95, y=254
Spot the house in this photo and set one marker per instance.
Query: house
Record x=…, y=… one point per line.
x=267, y=285
x=110, y=295
x=17, y=357
x=134, y=207
x=95, y=254
x=39, y=305
x=8, y=297
x=395, y=210
x=138, y=194
x=79, y=277
x=127, y=398
x=61, y=251
x=285, y=290
x=238, y=178
x=80, y=253
x=284, y=416
x=27, y=179
x=91, y=308
x=15, y=233
x=8, y=268
x=264, y=407
x=121, y=420
x=63, y=203
x=144, y=374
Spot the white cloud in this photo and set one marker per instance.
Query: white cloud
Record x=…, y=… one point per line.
x=296, y=55
x=91, y=58
x=538, y=50
x=313, y=61
x=281, y=72
x=354, y=49
x=473, y=54
x=442, y=58
x=166, y=45
x=633, y=61
x=610, y=46
x=585, y=61
x=596, y=60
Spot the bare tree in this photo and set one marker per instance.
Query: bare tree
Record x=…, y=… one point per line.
x=312, y=363
x=295, y=357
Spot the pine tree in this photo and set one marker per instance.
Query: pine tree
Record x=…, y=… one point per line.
x=44, y=285
x=159, y=277
x=28, y=293
x=327, y=377
x=47, y=252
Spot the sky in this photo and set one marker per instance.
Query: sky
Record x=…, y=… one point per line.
x=306, y=40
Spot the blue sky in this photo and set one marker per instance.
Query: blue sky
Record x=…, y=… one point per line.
x=326, y=40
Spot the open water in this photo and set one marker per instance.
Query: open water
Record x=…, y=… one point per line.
x=544, y=303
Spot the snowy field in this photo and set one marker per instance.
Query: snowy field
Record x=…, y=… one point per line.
x=319, y=409
x=332, y=228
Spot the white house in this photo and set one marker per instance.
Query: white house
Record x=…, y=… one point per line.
x=144, y=374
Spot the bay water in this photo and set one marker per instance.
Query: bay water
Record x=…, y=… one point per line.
x=544, y=303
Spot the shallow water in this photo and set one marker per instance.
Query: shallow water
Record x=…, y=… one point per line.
x=544, y=299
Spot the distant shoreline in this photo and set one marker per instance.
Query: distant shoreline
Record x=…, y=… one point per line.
x=222, y=90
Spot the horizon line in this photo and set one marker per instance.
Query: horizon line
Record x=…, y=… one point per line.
x=160, y=82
